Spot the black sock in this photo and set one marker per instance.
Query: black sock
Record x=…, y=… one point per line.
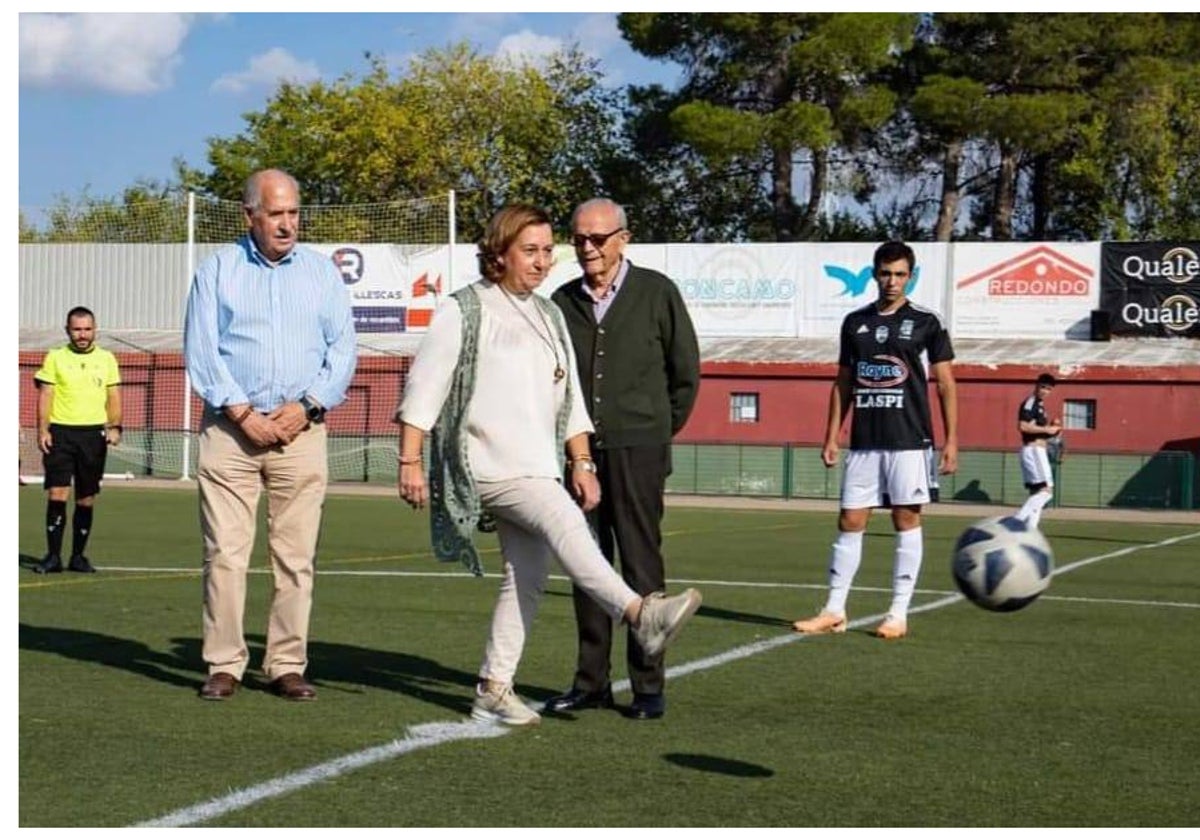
x=56, y=517
x=82, y=522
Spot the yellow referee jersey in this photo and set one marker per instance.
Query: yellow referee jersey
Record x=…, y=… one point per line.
x=81, y=382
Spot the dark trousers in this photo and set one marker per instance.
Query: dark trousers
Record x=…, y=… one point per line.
x=628, y=522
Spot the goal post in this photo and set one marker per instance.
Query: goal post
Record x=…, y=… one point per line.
x=133, y=264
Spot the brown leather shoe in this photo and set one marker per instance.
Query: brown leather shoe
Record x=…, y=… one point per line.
x=219, y=686
x=293, y=687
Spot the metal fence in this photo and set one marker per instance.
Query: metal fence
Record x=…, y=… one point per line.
x=1164, y=480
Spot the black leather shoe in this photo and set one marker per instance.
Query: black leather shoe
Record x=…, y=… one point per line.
x=79, y=563
x=577, y=699
x=50, y=564
x=647, y=707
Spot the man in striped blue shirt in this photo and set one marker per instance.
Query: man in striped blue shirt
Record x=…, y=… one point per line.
x=270, y=347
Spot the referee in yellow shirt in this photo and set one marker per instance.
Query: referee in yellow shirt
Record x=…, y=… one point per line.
x=78, y=417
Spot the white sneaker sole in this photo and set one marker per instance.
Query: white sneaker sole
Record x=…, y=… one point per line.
x=690, y=605
x=484, y=716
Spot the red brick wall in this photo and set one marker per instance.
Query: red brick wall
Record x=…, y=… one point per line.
x=1137, y=409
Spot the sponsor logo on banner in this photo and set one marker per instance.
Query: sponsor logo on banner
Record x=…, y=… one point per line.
x=855, y=283
x=380, y=319
x=393, y=288
x=422, y=287
x=350, y=264
x=1151, y=288
x=1178, y=265
x=1038, y=272
x=736, y=291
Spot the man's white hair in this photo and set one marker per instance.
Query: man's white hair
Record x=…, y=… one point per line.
x=622, y=221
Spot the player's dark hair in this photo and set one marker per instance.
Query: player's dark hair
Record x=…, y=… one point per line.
x=80, y=312
x=893, y=251
x=1046, y=379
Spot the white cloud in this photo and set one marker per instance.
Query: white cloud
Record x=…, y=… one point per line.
x=526, y=47
x=598, y=34
x=116, y=53
x=268, y=70
x=478, y=28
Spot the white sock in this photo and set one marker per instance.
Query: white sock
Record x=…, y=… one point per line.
x=1031, y=511
x=910, y=547
x=844, y=559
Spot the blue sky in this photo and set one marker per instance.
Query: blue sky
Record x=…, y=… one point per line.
x=107, y=98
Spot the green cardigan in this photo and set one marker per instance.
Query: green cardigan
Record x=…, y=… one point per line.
x=640, y=366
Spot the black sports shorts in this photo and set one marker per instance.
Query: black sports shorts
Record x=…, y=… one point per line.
x=76, y=452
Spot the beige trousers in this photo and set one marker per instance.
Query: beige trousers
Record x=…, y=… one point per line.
x=538, y=521
x=232, y=473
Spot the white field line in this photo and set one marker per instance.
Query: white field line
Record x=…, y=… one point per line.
x=417, y=737
x=705, y=582
x=444, y=732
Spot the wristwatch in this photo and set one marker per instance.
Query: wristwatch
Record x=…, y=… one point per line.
x=315, y=413
x=585, y=464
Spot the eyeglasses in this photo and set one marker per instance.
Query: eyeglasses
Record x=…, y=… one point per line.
x=580, y=240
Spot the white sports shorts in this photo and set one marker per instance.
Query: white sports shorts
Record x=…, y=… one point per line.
x=885, y=477
x=1035, y=466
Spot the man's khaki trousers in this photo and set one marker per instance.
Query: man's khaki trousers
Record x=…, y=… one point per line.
x=232, y=472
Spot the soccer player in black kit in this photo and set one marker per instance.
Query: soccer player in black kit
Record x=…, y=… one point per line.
x=881, y=375
x=1036, y=434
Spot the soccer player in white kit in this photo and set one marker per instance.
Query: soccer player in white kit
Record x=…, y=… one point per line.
x=881, y=375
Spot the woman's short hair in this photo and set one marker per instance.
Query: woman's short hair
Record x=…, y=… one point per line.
x=502, y=230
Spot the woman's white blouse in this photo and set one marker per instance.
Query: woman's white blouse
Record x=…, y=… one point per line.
x=512, y=415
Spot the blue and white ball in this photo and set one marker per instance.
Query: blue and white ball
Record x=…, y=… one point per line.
x=1002, y=564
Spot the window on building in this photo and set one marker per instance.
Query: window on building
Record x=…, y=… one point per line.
x=1079, y=414
x=743, y=408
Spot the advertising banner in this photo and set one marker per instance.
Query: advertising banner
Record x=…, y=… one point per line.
x=1024, y=290
x=737, y=290
x=1151, y=288
x=393, y=288
x=838, y=277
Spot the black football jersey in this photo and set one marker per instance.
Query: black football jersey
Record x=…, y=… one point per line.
x=889, y=392
x=1032, y=410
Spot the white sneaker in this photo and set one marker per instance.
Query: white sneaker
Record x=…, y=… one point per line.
x=662, y=618
x=501, y=705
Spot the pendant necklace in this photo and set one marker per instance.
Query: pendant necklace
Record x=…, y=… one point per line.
x=559, y=373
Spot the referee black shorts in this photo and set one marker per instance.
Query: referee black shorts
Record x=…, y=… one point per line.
x=76, y=452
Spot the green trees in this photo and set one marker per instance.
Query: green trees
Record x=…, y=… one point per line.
x=1076, y=126
x=784, y=127
x=765, y=90
x=492, y=130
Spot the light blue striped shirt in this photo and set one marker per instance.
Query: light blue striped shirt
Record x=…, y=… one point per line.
x=268, y=334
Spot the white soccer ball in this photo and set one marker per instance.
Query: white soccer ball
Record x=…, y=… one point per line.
x=1002, y=564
